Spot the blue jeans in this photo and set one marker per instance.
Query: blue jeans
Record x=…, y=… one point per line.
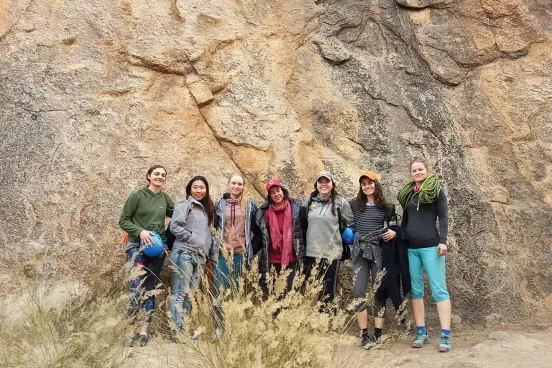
x=427, y=259
x=225, y=278
x=145, y=271
x=186, y=277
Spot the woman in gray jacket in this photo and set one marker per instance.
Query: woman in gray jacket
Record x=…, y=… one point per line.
x=324, y=244
x=190, y=225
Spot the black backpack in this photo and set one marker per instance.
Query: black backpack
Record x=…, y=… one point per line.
x=170, y=236
x=346, y=248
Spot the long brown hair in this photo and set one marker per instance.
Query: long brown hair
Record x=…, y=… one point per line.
x=207, y=202
x=379, y=197
x=284, y=191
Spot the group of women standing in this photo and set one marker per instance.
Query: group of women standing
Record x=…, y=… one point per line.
x=287, y=234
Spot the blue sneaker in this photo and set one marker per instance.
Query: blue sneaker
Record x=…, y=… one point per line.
x=445, y=345
x=420, y=340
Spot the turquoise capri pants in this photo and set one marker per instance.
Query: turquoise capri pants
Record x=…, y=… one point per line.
x=434, y=265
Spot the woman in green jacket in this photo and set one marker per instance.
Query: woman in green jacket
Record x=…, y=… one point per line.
x=144, y=212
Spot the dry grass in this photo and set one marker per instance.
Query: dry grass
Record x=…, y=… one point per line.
x=277, y=330
x=61, y=314
x=73, y=314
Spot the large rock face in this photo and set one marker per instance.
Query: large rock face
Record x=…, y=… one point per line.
x=93, y=93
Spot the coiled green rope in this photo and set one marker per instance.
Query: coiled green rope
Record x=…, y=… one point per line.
x=429, y=192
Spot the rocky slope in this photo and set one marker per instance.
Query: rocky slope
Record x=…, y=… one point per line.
x=94, y=92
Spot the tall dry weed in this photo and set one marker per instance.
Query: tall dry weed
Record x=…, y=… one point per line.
x=65, y=308
x=261, y=329
x=265, y=328
x=84, y=333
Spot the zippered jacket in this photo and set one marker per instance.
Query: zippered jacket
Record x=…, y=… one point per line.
x=219, y=223
x=261, y=238
x=323, y=235
x=190, y=227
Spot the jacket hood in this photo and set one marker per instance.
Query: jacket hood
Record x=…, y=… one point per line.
x=148, y=192
x=193, y=200
x=316, y=199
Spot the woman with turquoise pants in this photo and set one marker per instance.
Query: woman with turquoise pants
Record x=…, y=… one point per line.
x=423, y=202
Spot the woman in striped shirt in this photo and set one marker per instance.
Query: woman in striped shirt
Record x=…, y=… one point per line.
x=371, y=212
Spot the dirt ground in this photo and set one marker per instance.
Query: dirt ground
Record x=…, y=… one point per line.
x=471, y=349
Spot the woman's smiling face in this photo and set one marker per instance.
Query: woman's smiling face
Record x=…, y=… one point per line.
x=198, y=190
x=158, y=177
x=368, y=186
x=418, y=172
x=235, y=186
x=277, y=195
x=324, y=186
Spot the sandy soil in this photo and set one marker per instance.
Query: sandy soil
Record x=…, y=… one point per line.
x=470, y=350
x=492, y=349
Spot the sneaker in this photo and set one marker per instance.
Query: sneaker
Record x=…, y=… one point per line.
x=420, y=340
x=445, y=345
x=367, y=341
x=143, y=340
x=218, y=334
x=195, y=335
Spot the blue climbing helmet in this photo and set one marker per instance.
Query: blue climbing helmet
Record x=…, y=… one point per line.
x=156, y=248
x=348, y=235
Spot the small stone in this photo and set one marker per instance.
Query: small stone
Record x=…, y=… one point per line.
x=332, y=50
x=420, y=4
x=201, y=93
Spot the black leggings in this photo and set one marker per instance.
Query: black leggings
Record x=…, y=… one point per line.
x=362, y=270
x=263, y=281
x=329, y=271
x=289, y=281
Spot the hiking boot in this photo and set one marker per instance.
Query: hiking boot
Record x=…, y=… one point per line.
x=420, y=340
x=367, y=341
x=180, y=336
x=143, y=340
x=445, y=345
x=173, y=336
x=130, y=339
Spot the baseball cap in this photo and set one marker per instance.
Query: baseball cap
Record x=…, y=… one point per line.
x=369, y=174
x=324, y=174
x=273, y=183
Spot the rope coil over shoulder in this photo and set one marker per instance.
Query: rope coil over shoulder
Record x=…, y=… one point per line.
x=429, y=192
